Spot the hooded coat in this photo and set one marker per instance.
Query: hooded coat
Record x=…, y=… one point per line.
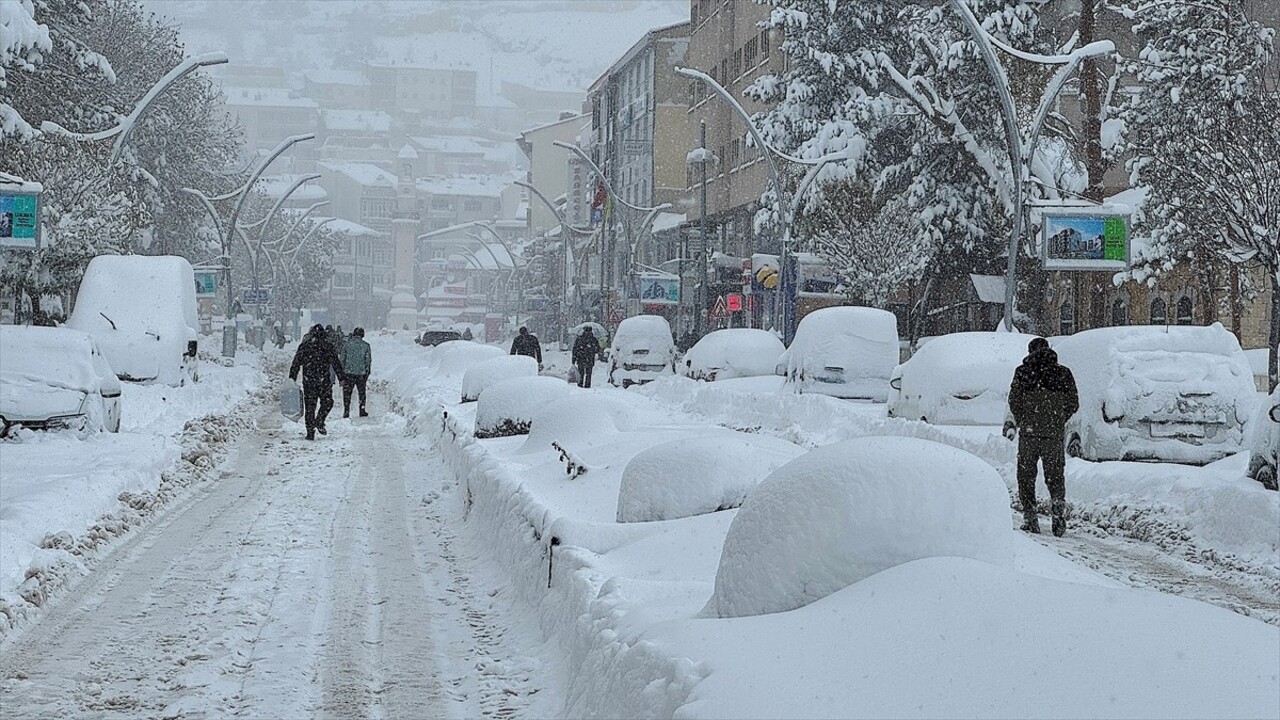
x=1043, y=395
x=315, y=358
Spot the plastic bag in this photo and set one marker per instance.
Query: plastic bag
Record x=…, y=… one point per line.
x=290, y=400
x=573, y=374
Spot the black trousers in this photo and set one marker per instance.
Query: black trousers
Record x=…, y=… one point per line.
x=584, y=373
x=314, y=416
x=349, y=383
x=1047, y=451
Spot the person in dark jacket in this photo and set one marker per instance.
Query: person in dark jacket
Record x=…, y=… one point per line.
x=1042, y=398
x=526, y=343
x=319, y=365
x=356, y=360
x=585, y=350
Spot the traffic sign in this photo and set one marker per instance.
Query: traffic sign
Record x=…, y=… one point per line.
x=719, y=311
x=255, y=296
x=733, y=302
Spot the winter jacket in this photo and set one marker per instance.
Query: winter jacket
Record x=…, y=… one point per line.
x=585, y=349
x=1043, y=395
x=527, y=344
x=315, y=358
x=356, y=357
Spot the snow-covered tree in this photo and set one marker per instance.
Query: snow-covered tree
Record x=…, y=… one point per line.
x=1203, y=133
x=903, y=85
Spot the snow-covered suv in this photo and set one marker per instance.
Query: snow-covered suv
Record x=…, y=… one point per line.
x=1265, y=441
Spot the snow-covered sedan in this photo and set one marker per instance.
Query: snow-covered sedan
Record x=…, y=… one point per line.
x=1264, y=444
x=733, y=353
x=1148, y=392
x=959, y=379
x=642, y=350
x=55, y=378
x=845, y=352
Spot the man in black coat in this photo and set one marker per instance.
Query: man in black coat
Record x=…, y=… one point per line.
x=1042, y=398
x=319, y=365
x=585, y=350
x=526, y=343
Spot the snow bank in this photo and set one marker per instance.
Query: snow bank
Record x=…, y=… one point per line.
x=696, y=475
x=846, y=511
x=847, y=352
x=577, y=420
x=508, y=407
x=495, y=370
x=457, y=356
x=733, y=353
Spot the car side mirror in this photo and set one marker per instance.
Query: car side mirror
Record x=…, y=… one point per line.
x=895, y=383
x=1275, y=413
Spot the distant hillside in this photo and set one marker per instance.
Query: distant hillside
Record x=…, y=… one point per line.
x=550, y=44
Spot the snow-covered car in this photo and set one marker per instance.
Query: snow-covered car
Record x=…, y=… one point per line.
x=142, y=311
x=959, y=379
x=846, y=352
x=1264, y=442
x=1162, y=393
x=432, y=338
x=54, y=378
x=642, y=350
x=733, y=353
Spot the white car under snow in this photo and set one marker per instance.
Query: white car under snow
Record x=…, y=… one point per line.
x=846, y=352
x=733, y=353
x=959, y=379
x=1172, y=394
x=55, y=378
x=642, y=350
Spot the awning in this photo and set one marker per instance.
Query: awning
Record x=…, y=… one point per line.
x=990, y=288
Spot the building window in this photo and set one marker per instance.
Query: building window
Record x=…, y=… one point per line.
x=1159, y=314
x=1184, y=310
x=1067, y=317
x=764, y=43
x=724, y=71
x=750, y=51
x=737, y=63
x=471, y=205
x=1119, y=312
x=342, y=280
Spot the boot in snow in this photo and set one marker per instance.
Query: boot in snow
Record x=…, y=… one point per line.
x=1059, y=508
x=1030, y=523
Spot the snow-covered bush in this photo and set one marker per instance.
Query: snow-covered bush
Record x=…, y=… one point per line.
x=846, y=511
x=494, y=370
x=508, y=407
x=577, y=420
x=697, y=475
x=455, y=357
x=733, y=353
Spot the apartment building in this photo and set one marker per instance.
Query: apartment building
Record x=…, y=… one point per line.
x=547, y=165
x=362, y=193
x=359, y=291
x=427, y=92
x=270, y=114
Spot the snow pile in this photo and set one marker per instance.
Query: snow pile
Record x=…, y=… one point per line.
x=495, y=370
x=508, y=407
x=1179, y=393
x=960, y=379
x=848, y=352
x=844, y=512
x=697, y=475
x=733, y=353
x=456, y=356
x=142, y=312
x=577, y=420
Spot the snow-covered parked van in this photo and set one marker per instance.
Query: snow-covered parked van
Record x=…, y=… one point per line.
x=847, y=352
x=1176, y=394
x=642, y=350
x=142, y=311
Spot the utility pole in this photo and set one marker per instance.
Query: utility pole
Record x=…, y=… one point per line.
x=700, y=311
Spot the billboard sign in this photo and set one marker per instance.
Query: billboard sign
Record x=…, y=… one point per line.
x=659, y=289
x=206, y=283
x=1085, y=240
x=19, y=219
x=255, y=296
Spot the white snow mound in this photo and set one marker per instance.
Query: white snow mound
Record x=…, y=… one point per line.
x=846, y=511
x=577, y=420
x=455, y=357
x=508, y=407
x=698, y=475
x=495, y=370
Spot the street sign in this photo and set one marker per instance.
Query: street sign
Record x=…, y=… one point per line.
x=206, y=283
x=733, y=302
x=255, y=296
x=19, y=219
x=1086, y=239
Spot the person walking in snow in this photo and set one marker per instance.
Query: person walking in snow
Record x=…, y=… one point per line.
x=357, y=360
x=319, y=364
x=585, y=350
x=526, y=343
x=1042, y=398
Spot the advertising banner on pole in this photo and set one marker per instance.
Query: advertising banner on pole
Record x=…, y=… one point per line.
x=206, y=283
x=659, y=289
x=1087, y=239
x=19, y=219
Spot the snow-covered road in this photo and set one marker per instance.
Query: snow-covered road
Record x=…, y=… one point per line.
x=309, y=580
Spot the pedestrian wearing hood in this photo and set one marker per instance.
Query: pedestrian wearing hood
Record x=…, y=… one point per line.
x=319, y=364
x=357, y=360
x=526, y=343
x=585, y=350
x=1042, y=398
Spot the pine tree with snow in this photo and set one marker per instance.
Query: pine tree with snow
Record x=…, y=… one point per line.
x=1203, y=134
